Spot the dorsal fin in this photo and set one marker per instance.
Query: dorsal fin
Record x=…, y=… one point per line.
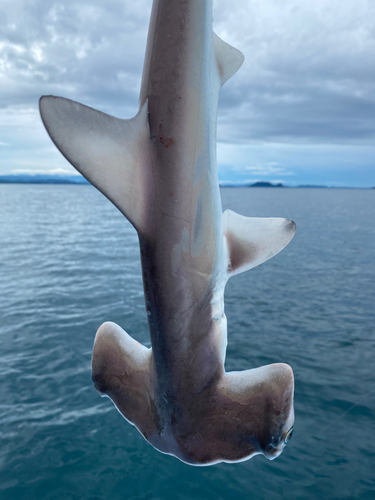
x=107, y=151
x=229, y=59
x=252, y=241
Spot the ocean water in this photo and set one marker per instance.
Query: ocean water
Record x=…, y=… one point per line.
x=69, y=261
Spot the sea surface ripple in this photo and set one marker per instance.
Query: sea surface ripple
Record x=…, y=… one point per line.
x=69, y=261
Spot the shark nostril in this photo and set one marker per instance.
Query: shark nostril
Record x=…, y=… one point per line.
x=272, y=444
x=270, y=447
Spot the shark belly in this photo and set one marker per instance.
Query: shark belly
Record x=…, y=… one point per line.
x=183, y=249
x=159, y=169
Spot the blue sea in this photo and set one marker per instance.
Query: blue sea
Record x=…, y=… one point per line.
x=69, y=261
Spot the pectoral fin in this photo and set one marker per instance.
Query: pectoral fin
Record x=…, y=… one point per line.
x=109, y=152
x=121, y=371
x=252, y=241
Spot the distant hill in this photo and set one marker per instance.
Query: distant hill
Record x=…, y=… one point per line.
x=266, y=184
x=42, y=179
x=80, y=180
x=263, y=184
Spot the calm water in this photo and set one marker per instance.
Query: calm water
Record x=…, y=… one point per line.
x=69, y=261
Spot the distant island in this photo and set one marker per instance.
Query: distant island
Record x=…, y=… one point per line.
x=80, y=180
x=42, y=179
x=263, y=184
x=266, y=184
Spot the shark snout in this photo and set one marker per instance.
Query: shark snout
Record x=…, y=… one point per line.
x=275, y=447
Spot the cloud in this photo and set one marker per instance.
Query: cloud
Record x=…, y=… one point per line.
x=51, y=171
x=271, y=168
x=78, y=50
x=308, y=76
x=308, y=80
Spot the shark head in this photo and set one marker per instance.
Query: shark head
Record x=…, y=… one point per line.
x=277, y=423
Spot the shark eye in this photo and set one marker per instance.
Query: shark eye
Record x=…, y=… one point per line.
x=289, y=435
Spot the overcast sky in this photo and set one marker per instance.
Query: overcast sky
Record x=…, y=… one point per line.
x=301, y=109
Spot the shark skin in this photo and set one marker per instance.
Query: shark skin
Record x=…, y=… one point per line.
x=159, y=169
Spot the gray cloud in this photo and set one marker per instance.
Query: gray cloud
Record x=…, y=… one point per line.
x=308, y=77
x=92, y=52
x=309, y=73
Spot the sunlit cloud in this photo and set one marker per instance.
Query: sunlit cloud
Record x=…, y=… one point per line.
x=270, y=168
x=51, y=171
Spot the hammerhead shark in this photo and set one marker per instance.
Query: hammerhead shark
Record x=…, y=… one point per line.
x=159, y=169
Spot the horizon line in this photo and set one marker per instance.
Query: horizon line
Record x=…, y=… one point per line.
x=77, y=179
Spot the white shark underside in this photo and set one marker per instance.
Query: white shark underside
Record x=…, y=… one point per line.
x=159, y=169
